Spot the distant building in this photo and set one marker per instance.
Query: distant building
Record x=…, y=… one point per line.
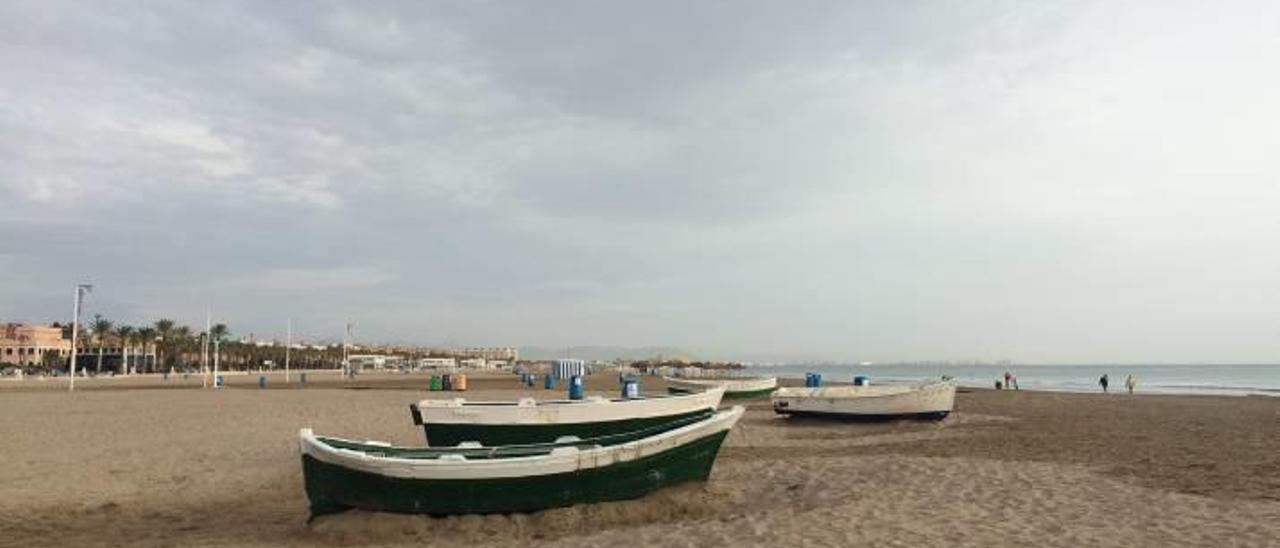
x=474, y=363
x=497, y=353
x=373, y=361
x=25, y=344
x=437, y=363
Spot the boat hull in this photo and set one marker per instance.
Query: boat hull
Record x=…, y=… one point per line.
x=927, y=401
x=450, y=422
x=440, y=434
x=925, y=416
x=733, y=388
x=334, y=488
x=741, y=395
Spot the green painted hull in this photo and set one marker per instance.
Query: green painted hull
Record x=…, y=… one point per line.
x=730, y=395
x=492, y=435
x=334, y=489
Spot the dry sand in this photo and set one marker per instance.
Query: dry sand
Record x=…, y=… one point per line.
x=141, y=462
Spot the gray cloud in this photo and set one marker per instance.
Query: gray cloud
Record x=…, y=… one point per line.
x=835, y=180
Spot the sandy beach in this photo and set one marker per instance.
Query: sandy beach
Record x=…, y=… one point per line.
x=144, y=462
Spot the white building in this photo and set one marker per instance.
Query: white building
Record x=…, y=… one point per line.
x=437, y=363
x=373, y=361
x=475, y=363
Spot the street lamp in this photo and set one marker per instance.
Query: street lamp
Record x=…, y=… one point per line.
x=81, y=290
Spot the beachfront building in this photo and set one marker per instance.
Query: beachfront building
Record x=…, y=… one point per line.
x=113, y=354
x=497, y=353
x=26, y=344
x=474, y=363
x=374, y=361
x=437, y=363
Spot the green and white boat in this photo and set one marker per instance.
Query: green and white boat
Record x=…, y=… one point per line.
x=528, y=421
x=472, y=479
x=754, y=387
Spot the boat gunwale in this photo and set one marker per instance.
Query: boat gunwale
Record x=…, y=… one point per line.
x=562, y=459
x=440, y=403
x=796, y=392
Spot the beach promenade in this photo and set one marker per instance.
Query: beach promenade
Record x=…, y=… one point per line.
x=142, y=462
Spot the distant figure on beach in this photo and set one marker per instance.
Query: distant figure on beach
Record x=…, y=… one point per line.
x=1130, y=382
x=999, y=385
x=1103, y=382
x=1013, y=381
x=1008, y=379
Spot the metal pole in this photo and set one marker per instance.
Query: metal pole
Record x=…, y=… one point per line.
x=215, y=363
x=81, y=289
x=75, y=320
x=288, y=342
x=346, y=333
x=204, y=352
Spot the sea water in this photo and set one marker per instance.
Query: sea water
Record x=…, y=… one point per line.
x=1261, y=379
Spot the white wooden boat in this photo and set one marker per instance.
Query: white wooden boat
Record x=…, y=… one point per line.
x=340, y=474
x=733, y=388
x=453, y=421
x=932, y=399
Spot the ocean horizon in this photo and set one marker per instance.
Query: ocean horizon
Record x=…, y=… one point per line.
x=1217, y=379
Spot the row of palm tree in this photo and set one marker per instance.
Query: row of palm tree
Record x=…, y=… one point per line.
x=171, y=346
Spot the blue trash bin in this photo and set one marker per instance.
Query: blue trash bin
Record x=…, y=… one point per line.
x=575, y=388
x=549, y=382
x=861, y=380
x=630, y=389
x=262, y=381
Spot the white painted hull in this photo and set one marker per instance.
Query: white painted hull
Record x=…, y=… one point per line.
x=731, y=386
x=528, y=411
x=933, y=399
x=559, y=461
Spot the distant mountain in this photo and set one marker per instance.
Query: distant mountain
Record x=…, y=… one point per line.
x=602, y=353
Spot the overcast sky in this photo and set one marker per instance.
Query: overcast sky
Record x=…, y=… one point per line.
x=829, y=180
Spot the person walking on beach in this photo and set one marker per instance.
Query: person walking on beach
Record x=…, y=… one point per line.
x=1103, y=382
x=1008, y=379
x=1130, y=382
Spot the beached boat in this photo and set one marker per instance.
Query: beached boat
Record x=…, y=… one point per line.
x=340, y=474
x=733, y=388
x=932, y=399
x=450, y=422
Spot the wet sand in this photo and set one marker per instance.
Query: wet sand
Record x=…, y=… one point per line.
x=142, y=462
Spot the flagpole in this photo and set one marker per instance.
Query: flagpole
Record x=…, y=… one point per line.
x=288, y=342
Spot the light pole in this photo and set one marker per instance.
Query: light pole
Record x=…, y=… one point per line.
x=215, y=362
x=204, y=352
x=346, y=335
x=288, y=342
x=81, y=289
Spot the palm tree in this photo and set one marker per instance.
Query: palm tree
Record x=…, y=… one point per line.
x=182, y=339
x=146, y=335
x=164, y=329
x=217, y=334
x=101, y=327
x=125, y=333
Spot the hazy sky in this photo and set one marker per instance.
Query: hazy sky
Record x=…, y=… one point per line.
x=839, y=180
